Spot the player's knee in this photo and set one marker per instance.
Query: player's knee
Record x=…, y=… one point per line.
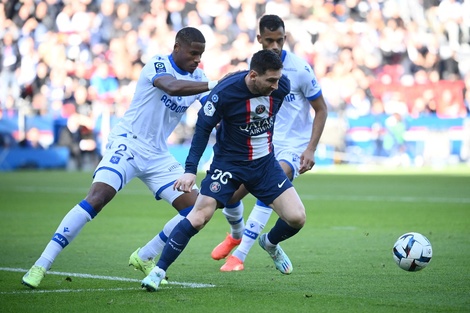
x=297, y=218
x=99, y=195
x=96, y=202
x=198, y=218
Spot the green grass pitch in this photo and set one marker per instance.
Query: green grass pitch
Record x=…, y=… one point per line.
x=342, y=258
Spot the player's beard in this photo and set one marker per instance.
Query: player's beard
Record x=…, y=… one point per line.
x=266, y=91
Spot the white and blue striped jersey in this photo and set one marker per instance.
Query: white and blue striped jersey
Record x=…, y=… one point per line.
x=246, y=121
x=153, y=114
x=293, y=127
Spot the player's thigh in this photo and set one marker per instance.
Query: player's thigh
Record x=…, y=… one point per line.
x=238, y=195
x=290, y=208
x=117, y=167
x=161, y=171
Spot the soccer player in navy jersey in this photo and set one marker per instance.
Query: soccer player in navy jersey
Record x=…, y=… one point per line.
x=244, y=105
x=137, y=147
x=296, y=136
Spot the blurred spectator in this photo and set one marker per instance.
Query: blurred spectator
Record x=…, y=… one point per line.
x=32, y=139
x=450, y=15
x=10, y=61
x=394, y=137
x=78, y=136
x=28, y=67
x=104, y=82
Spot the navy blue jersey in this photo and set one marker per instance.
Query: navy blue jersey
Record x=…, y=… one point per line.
x=246, y=121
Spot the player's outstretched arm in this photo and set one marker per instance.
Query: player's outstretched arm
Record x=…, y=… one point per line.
x=180, y=87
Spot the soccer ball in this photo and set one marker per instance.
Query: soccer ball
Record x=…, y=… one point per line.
x=412, y=252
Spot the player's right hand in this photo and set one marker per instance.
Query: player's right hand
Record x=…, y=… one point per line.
x=185, y=183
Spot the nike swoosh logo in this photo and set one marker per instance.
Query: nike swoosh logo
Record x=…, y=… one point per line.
x=174, y=242
x=281, y=184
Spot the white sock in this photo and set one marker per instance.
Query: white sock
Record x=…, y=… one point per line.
x=234, y=216
x=257, y=220
x=155, y=246
x=68, y=229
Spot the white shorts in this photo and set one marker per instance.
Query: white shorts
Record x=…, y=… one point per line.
x=124, y=159
x=291, y=157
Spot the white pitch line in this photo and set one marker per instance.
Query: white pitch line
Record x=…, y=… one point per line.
x=63, y=291
x=112, y=278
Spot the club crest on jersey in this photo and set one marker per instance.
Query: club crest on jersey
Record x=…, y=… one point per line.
x=215, y=187
x=115, y=159
x=260, y=109
x=159, y=67
x=209, y=108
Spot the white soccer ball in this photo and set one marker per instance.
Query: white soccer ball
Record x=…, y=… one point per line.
x=412, y=252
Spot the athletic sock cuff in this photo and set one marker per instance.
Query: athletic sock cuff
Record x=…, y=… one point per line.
x=231, y=206
x=185, y=212
x=260, y=203
x=88, y=208
x=188, y=228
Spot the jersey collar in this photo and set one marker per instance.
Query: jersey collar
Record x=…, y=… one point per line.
x=283, y=55
x=180, y=71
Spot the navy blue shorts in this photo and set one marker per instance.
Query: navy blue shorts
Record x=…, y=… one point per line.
x=263, y=178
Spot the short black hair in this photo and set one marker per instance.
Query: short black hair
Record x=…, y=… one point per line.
x=188, y=35
x=271, y=22
x=265, y=60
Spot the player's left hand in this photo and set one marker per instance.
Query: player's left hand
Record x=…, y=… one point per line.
x=307, y=161
x=185, y=183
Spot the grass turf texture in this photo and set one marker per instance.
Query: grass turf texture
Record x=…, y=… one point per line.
x=342, y=258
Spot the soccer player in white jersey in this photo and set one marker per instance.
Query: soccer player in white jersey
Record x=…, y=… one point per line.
x=167, y=86
x=296, y=136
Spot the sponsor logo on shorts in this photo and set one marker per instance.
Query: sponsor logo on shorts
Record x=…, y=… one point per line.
x=173, y=167
x=281, y=184
x=115, y=159
x=215, y=187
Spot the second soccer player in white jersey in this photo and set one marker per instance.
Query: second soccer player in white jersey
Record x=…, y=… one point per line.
x=167, y=86
x=296, y=136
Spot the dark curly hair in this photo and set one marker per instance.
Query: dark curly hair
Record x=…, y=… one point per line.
x=187, y=35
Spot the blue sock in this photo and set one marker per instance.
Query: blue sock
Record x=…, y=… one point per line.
x=176, y=243
x=281, y=231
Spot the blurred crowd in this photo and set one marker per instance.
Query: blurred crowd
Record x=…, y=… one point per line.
x=79, y=60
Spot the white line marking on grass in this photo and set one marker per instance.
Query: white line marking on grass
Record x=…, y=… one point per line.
x=63, y=291
x=112, y=278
